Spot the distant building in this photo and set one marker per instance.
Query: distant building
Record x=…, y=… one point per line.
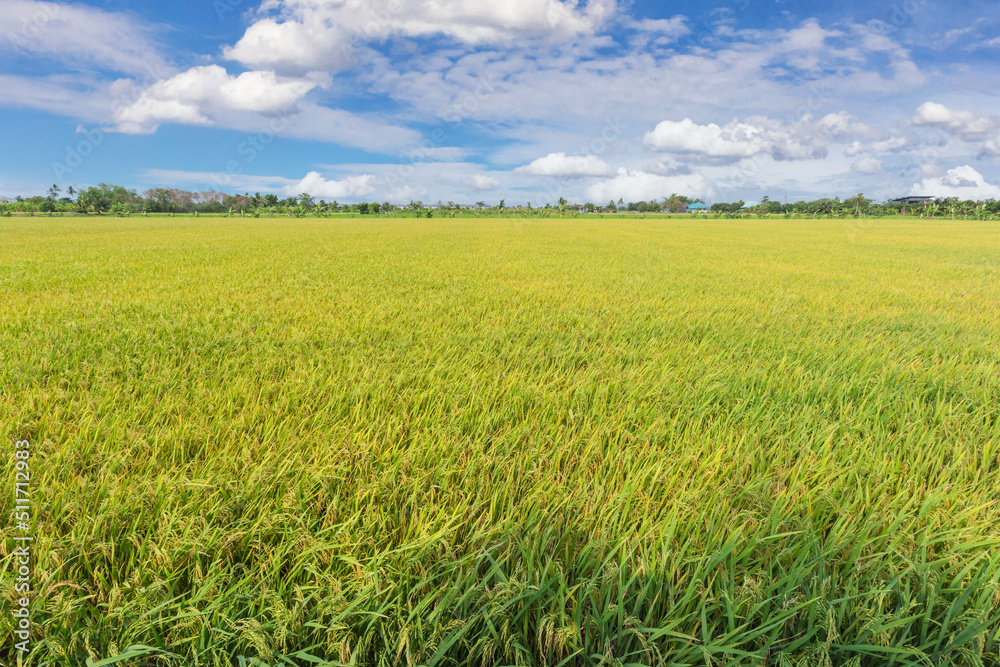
x=912, y=200
x=697, y=207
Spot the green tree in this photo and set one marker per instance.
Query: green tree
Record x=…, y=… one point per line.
x=676, y=203
x=860, y=204
x=102, y=197
x=159, y=200
x=722, y=207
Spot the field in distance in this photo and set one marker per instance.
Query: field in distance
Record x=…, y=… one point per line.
x=381, y=441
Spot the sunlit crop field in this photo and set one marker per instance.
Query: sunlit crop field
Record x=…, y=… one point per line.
x=497, y=442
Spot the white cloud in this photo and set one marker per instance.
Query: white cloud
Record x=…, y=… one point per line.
x=292, y=45
x=805, y=47
x=890, y=145
x=482, y=182
x=74, y=97
x=315, y=122
x=567, y=166
x=405, y=193
x=966, y=124
x=220, y=180
x=642, y=186
x=810, y=36
x=867, y=165
x=194, y=96
x=736, y=141
x=255, y=102
x=79, y=34
x=969, y=126
x=310, y=34
x=660, y=32
x=402, y=182
x=675, y=27
x=804, y=139
x=962, y=182
x=314, y=184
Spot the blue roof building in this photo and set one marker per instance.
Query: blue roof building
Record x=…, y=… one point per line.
x=697, y=206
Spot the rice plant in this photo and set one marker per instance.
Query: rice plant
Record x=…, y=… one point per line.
x=516, y=441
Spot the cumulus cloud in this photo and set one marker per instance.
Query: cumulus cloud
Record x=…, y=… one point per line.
x=737, y=140
x=195, y=96
x=962, y=182
x=867, y=165
x=482, y=182
x=643, y=186
x=292, y=45
x=758, y=135
x=419, y=180
x=969, y=126
x=310, y=34
x=966, y=124
x=314, y=184
x=78, y=33
x=567, y=166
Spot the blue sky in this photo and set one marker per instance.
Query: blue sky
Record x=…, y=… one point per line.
x=523, y=100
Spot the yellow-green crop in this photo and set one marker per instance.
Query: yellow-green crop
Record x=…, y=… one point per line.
x=482, y=442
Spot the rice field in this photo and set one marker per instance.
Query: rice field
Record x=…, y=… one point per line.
x=554, y=442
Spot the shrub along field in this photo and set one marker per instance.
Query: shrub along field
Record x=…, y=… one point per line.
x=532, y=442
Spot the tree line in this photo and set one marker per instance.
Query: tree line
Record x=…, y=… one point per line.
x=111, y=199
x=860, y=206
